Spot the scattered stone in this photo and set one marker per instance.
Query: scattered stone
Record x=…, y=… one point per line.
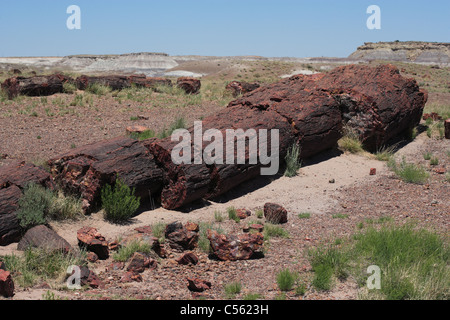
x=114, y=245
x=88, y=277
x=136, y=129
x=243, y=213
x=131, y=276
x=144, y=229
x=256, y=226
x=6, y=284
x=44, y=238
x=187, y=258
x=440, y=170
x=91, y=240
x=180, y=238
x=332, y=181
x=191, y=226
x=373, y=171
x=433, y=115
x=232, y=247
x=275, y=213
x=198, y=285
x=139, y=262
x=115, y=266
x=92, y=257
x=246, y=229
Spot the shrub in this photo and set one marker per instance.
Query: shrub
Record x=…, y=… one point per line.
x=119, y=202
x=34, y=205
x=286, y=279
x=259, y=213
x=293, y=163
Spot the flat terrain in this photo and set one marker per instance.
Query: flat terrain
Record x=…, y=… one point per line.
x=334, y=188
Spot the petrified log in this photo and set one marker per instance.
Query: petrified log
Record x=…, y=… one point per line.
x=13, y=179
x=85, y=170
x=149, y=82
x=119, y=82
x=6, y=284
x=189, y=85
x=237, y=87
x=115, y=82
x=378, y=103
x=34, y=86
x=91, y=240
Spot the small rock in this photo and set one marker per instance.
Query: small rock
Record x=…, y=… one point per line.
x=131, y=276
x=257, y=227
x=180, y=238
x=332, y=181
x=136, y=129
x=373, y=171
x=44, y=238
x=139, y=262
x=198, y=285
x=92, y=257
x=144, y=229
x=275, y=213
x=187, y=258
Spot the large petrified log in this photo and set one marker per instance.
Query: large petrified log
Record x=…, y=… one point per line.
x=378, y=103
x=13, y=179
x=119, y=82
x=85, y=170
x=34, y=86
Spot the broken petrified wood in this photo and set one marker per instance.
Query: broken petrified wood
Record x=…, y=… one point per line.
x=35, y=86
x=13, y=179
x=91, y=240
x=85, y=170
x=180, y=238
x=119, y=82
x=235, y=247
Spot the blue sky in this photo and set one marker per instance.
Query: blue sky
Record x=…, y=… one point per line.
x=275, y=28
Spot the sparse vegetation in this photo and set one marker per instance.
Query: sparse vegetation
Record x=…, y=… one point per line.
x=124, y=253
x=119, y=202
x=98, y=89
x=37, y=265
x=304, y=215
x=232, y=289
x=274, y=231
x=232, y=214
x=286, y=279
x=409, y=172
x=414, y=263
x=293, y=163
x=350, y=142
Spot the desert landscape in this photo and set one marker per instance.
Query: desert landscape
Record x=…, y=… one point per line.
x=369, y=184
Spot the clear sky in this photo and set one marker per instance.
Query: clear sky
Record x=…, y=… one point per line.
x=271, y=28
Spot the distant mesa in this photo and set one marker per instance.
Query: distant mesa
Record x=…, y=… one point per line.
x=406, y=51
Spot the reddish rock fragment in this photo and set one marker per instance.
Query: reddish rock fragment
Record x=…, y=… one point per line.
x=187, y=258
x=232, y=247
x=180, y=238
x=44, y=238
x=243, y=213
x=373, y=171
x=198, y=285
x=6, y=284
x=275, y=213
x=91, y=240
